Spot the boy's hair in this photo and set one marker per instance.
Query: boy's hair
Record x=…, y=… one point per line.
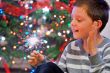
x=96, y=9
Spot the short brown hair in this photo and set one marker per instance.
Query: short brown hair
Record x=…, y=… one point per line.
x=96, y=9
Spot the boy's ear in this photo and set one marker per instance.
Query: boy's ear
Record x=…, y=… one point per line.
x=98, y=24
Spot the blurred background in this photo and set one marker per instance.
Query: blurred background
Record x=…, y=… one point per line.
x=106, y=31
x=27, y=25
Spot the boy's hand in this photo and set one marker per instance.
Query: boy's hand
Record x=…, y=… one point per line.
x=91, y=42
x=35, y=58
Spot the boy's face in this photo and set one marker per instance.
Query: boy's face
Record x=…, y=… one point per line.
x=81, y=23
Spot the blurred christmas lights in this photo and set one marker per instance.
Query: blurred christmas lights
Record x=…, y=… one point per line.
x=30, y=42
x=45, y=10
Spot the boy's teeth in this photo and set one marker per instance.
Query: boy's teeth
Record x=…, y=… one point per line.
x=76, y=30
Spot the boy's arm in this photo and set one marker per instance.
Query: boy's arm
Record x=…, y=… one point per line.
x=62, y=61
x=101, y=64
x=44, y=61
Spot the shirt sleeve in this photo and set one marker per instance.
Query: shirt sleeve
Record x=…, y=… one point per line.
x=62, y=61
x=100, y=63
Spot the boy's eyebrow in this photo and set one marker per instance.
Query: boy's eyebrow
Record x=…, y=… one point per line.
x=77, y=16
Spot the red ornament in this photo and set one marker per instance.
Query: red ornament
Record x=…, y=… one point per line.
x=63, y=46
x=7, y=70
x=21, y=30
x=73, y=1
x=71, y=4
x=4, y=17
x=61, y=4
x=18, y=11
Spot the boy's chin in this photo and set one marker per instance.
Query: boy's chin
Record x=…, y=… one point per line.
x=76, y=37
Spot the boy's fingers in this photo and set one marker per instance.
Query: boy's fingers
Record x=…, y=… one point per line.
x=32, y=58
x=33, y=54
x=93, y=32
x=36, y=52
x=31, y=62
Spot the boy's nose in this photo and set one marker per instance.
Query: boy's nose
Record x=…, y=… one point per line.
x=73, y=23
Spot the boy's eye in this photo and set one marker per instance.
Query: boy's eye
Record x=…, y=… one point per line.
x=79, y=20
x=76, y=19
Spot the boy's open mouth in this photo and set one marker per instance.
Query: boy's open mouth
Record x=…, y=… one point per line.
x=75, y=30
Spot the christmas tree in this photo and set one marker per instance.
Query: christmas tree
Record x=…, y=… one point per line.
x=27, y=25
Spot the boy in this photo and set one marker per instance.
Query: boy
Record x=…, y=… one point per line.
x=90, y=53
